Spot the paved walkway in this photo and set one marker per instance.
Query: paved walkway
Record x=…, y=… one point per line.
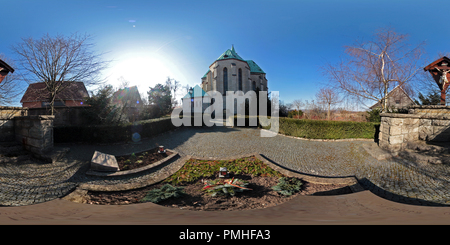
x=357, y=208
x=29, y=182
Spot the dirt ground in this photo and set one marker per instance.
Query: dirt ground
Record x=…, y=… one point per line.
x=142, y=159
x=261, y=195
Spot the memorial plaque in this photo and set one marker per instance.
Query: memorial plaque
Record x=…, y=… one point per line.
x=104, y=162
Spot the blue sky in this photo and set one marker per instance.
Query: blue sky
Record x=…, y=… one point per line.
x=290, y=40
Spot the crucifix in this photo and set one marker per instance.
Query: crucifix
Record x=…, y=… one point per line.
x=443, y=79
x=439, y=71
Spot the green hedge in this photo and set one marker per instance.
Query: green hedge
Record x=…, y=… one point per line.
x=318, y=129
x=109, y=134
x=311, y=129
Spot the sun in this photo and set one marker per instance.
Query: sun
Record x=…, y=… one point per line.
x=143, y=72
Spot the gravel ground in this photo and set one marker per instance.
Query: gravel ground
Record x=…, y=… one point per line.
x=398, y=180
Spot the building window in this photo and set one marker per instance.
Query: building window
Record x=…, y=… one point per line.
x=225, y=80
x=254, y=86
x=397, y=102
x=240, y=79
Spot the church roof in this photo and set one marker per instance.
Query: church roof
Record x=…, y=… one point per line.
x=198, y=92
x=254, y=68
x=230, y=54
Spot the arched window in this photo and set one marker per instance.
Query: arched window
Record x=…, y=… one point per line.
x=225, y=80
x=240, y=79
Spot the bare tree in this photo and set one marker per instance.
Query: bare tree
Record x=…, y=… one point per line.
x=123, y=83
x=328, y=97
x=298, y=104
x=174, y=85
x=58, y=62
x=373, y=67
x=10, y=86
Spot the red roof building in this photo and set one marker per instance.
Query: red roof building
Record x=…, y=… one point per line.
x=37, y=96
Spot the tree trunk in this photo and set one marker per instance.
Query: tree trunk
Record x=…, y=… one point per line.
x=329, y=105
x=52, y=104
x=384, y=107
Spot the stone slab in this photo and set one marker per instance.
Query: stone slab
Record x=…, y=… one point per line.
x=376, y=152
x=104, y=162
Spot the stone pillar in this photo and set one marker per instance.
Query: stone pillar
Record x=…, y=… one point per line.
x=398, y=129
x=35, y=133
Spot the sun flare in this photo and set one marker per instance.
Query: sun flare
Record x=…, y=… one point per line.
x=143, y=72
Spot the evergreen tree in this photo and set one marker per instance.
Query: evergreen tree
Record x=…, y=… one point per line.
x=160, y=96
x=433, y=98
x=101, y=111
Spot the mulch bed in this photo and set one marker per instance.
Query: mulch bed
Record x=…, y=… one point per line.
x=141, y=159
x=261, y=195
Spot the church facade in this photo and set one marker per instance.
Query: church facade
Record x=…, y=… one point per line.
x=230, y=72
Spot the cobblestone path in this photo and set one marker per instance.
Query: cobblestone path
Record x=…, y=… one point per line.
x=396, y=179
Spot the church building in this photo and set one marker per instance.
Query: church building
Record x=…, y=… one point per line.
x=230, y=72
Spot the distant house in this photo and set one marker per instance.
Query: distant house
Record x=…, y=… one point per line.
x=4, y=70
x=37, y=96
x=397, y=98
x=69, y=103
x=130, y=99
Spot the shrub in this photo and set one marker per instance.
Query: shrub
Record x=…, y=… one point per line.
x=295, y=114
x=111, y=133
x=196, y=169
x=165, y=192
x=288, y=186
x=225, y=187
x=374, y=115
x=246, y=120
x=321, y=129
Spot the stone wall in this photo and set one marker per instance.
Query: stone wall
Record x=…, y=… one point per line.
x=428, y=123
x=64, y=116
x=34, y=132
x=7, y=113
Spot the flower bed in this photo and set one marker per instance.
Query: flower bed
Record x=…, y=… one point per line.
x=195, y=175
